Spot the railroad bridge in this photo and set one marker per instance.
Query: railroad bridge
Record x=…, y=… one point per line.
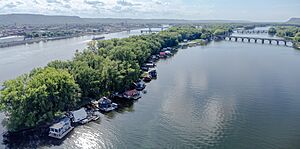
x=256, y=39
x=153, y=31
x=252, y=31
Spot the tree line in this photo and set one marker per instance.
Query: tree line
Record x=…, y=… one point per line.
x=288, y=32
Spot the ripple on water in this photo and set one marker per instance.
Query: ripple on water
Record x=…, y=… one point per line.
x=93, y=135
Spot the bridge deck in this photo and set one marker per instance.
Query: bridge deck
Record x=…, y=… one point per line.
x=248, y=39
x=259, y=38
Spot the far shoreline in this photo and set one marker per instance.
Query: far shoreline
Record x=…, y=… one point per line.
x=37, y=40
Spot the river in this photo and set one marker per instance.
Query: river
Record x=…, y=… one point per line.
x=18, y=60
x=225, y=95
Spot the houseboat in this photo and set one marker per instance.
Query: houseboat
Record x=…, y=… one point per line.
x=144, y=68
x=170, y=49
x=96, y=115
x=147, y=78
x=140, y=85
x=132, y=94
x=61, y=129
x=162, y=54
x=154, y=58
x=163, y=49
x=153, y=73
x=79, y=116
x=106, y=105
x=168, y=53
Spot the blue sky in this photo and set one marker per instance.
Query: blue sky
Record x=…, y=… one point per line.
x=254, y=10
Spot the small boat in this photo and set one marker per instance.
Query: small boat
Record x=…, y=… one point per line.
x=150, y=65
x=163, y=49
x=84, y=121
x=106, y=105
x=169, y=48
x=154, y=58
x=96, y=116
x=144, y=68
x=162, y=55
x=116, y=95
x=140, y=85
x=168, y=53
x=147, y=78
x=132, y=94
x=98, y=38
x=61, y=129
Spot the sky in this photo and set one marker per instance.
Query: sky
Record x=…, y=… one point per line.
x=251, y=10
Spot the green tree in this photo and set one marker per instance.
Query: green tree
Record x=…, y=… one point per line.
x=32, y=100
x=272, y=31
x=219, y=32
x=297, y=37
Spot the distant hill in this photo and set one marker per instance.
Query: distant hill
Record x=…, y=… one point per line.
x=293, y=21
x=35, y=19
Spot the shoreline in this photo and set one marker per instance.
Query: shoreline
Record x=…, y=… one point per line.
x=37, y=40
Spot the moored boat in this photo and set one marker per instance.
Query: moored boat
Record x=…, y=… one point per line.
x=61, y=129
x=144, y=68
x=79, y=116
x=96, y=116
x=107, y=105
x=150, y=65
x=140, y=85
x=132, y=94
x=153, y=74
x=98, y=38
x=162, y=55
x=147, y=78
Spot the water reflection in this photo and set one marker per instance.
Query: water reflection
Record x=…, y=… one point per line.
x=189, y=108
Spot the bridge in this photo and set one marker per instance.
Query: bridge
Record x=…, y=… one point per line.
x=262, y=40
x=153, y=31
x=252, y=31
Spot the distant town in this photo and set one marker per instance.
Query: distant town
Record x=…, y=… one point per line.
x=11, y=35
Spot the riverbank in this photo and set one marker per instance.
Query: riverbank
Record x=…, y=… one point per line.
x=37, y=40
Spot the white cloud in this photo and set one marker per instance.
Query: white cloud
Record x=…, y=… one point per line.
x=99, y=8
x=169, y=9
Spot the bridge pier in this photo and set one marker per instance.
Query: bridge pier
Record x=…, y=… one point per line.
x=263, y=40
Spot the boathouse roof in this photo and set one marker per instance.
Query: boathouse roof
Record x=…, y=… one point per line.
x=79, y=115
